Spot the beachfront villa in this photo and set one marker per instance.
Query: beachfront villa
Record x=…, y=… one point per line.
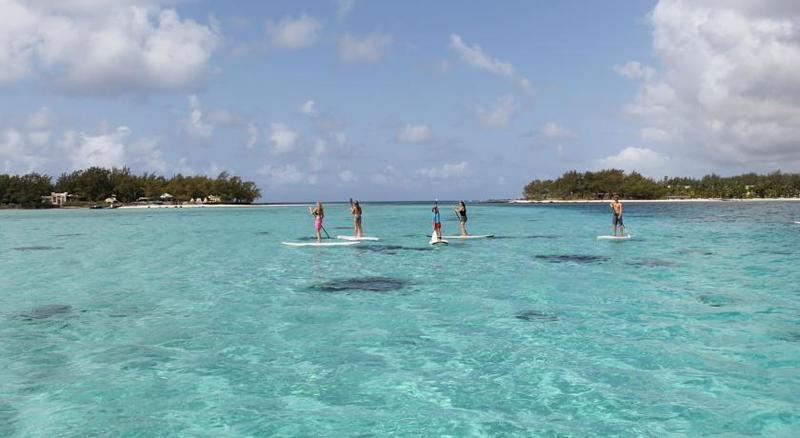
x=56, y=199
x=210, y=199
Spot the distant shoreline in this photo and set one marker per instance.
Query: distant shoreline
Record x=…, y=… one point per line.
x=643, y=201
x=162, y=206
x=490, y=201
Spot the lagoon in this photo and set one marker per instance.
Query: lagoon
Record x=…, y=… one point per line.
x=199, y=322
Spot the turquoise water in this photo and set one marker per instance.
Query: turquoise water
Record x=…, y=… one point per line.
x=199, y=323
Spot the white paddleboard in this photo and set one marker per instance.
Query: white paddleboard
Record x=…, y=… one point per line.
x=356, y=239
x=434, y=241
x=797, y=222
x=471, y=236
x=627, y=237
x=319, y=243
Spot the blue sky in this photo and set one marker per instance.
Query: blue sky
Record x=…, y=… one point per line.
x=399, y=100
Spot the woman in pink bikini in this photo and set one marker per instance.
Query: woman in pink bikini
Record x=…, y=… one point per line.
x=318, y=214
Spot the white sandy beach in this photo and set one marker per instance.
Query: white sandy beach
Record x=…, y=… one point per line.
x=643, y=201
x=164, y=206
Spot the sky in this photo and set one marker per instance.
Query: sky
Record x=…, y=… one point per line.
x=411, y=100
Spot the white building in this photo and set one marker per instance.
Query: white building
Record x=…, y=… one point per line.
x=57, y=199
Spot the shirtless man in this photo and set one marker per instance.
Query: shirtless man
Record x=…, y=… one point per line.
x=616, y=220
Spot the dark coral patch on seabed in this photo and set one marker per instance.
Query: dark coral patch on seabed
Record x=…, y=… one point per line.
x=46, y=312
x=535, y=315
x=715, y=300
x=655, y=263
x=391, y=249
x=534, y=236
x=367, y=284
x=37, y=248
x=572, y=258
x=790, y=337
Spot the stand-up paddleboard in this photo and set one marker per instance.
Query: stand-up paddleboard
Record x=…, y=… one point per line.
x=356, y=239
x=797, y=222
x=626, y=237
x=319, y=243
x=470, y=236
x=435, y=241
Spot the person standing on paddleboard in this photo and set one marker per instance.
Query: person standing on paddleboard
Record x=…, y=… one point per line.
x=437, y=221
x=616, y=220
x=355, y=210
x=318, y=213
x=461, y=211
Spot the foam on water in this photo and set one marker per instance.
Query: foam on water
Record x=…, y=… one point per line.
x=197, y=322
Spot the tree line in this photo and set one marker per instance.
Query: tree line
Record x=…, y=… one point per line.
x=96, y=184
x=601, y=184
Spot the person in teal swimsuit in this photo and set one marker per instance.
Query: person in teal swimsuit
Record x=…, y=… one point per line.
x=437, y=221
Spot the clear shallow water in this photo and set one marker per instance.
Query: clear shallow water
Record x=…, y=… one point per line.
x=198, y=322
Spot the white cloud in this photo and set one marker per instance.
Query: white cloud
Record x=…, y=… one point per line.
x=384, y=177
x=329, y=127
x=294, y=33
x=317, y=151
x=29, y=144
x=103, y=150
x=347, y=176
x=642, y=160
x=39, y=139
x=634, y=70
x=282, y=138
x=194, y=125
x=16, y=152
x=41, y=119
x=498, y=115
x=114, y=48
x=476, y=57
x=315, y=163
x=446, y=171
x=339, y=137
x=18, y=40
x=343, y=8
x=320, y=146
x=308, y=108
x=25, y=144
x=287, y=174
x=145, y=154
x=215, y=169
x=253, y=135
x=183, y=167
x=37, y=129
x=414, y=134
x=221, y=117
x=654, y=135
x=199, y=125
x=370, y=48
x=728, y=94
x=553, y=130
